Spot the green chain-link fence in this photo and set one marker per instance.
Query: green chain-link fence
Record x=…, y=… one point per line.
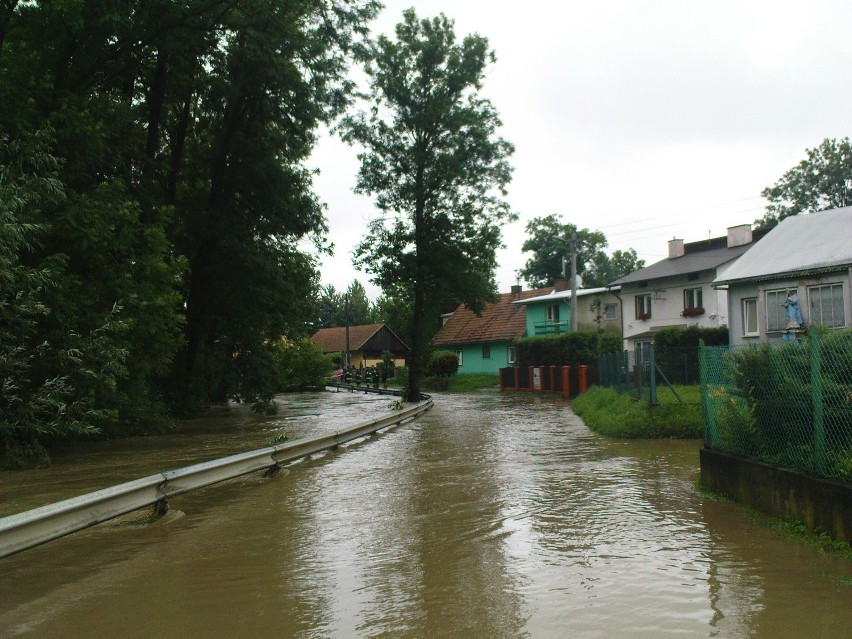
x=623, y=373
x=788, y=404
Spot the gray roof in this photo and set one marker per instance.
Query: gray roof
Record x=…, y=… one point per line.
x=799, y=245
x=689, y=263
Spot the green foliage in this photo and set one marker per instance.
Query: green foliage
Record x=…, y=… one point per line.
x=765, y=408
x=351, y=307
x=49, y=389
x=443, y=364
x=676, y=350
x=179, y=138
x=438, y=170
x=821, y=181
x=301, y=365
x=566, y=349
x=608, y=412
x=549, y=240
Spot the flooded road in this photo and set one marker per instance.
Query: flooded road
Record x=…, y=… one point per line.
x=489, y=516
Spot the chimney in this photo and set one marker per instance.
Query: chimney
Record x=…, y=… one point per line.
x=739, y=235
x=561, y=284
x=516, y=290
x=675, y=248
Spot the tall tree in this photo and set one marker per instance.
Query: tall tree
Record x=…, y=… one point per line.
x=821, y=181
x=438, y=169
x=549, y=240
x=603, y=269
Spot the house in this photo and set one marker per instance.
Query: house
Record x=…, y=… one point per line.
x=366, y=343
x=806, y=259
x=485, y=343
x=678, y=290
x=598, y=309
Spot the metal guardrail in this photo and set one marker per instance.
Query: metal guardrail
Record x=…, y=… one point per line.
x=33, y=527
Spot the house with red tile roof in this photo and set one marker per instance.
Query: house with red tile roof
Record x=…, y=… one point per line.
x=485, y=343
x=366, y=343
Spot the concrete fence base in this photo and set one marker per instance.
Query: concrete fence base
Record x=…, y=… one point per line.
x=823, y=505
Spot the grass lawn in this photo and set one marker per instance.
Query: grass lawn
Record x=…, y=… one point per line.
x=618, y=415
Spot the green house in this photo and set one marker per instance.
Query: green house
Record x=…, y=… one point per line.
x=598, y=309
x=486, y=343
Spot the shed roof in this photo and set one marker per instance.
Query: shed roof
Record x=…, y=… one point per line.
x=500, y=321
x=799, y=245
x=333, y=340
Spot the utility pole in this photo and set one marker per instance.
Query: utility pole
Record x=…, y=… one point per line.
x=574, y=281
x=348, y=355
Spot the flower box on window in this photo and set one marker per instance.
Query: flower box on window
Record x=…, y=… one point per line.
x=692, y=312
x=644, y=316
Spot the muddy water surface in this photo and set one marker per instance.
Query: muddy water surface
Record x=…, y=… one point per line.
x=489, y=516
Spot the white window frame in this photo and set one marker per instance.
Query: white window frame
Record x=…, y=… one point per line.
x=643, y=305
x=608, y=317
x=693, y=298
x=816, y=316
x=511, y=354
x=747, y=302
x=774, y=305
x=460, y=356
x=553, y=313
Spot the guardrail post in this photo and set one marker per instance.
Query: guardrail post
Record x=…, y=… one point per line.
x=582, y=379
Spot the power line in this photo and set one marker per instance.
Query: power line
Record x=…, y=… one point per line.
x=684, y=212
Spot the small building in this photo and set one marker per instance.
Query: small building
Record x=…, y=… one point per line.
x=486, y=343
x=598, y=309
x=366, y=343
x=806, y=260
x=678, y=291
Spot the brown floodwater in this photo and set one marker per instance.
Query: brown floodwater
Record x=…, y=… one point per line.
x=489, y=516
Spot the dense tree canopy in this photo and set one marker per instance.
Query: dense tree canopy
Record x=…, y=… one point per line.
x=176, y=134
x=433, y=159
x=550, y=240
x=821, y=181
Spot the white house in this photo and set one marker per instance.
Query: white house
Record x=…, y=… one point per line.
x=806, y=258
x=678, y=291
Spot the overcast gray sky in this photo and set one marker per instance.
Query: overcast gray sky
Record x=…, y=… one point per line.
x=645, y=120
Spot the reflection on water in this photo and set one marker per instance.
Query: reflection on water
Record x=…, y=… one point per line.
x=489, y=516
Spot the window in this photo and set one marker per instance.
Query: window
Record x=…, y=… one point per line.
x=643, y=306
x=486, y=351
x=776, y=312
x=459, y=354
x=750, y=316
x=610, y=311
x=826, y=305
x=693, y=298
x=642, y=353
x=553, y=313
x=511, y=354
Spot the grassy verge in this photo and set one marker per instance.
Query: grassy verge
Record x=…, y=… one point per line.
x=617, y=415
x=461, y=383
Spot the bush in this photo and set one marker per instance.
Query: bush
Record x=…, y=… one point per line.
x=301, y=365
x=676, y=350
x=567, y=349
x=443, y=364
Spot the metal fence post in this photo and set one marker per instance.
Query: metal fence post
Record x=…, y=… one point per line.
x=652, y=378
x=816, y=397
